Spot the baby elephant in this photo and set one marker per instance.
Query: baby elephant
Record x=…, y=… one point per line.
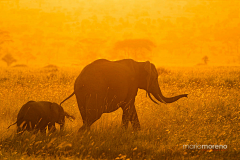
x=35, y=116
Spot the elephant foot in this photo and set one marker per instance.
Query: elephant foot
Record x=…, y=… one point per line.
x=136, y=126
x=137, y=129
x=52, y=129
x=19, y=133
x=124, y=126
x=84, y=129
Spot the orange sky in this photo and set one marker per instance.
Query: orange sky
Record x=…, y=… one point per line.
x=76, y=32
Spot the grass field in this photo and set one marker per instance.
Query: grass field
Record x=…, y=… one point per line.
x=209, y=116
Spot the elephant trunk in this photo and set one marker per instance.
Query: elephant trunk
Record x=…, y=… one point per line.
x=159, y=96
x=71, y=118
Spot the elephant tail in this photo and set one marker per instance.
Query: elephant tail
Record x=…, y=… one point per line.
x=67, y=98
x=12, y=124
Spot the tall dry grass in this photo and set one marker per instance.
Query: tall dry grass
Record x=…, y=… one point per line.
x=209, y=116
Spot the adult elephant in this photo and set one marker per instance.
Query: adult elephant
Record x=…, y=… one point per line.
x=103, y=86
x=35, y=116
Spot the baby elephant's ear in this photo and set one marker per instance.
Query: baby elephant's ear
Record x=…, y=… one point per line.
x=54, y=110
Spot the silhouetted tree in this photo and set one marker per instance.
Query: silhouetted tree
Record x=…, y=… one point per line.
x=205, y=59
x=26, y=55
x=9, y=59
x=138, y=49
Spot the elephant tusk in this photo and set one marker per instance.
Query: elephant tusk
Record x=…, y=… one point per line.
x=162, y=100
x=151, y=98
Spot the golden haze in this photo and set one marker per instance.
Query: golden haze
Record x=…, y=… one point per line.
x=76, y=32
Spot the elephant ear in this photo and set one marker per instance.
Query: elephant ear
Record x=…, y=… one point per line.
x=148, y=69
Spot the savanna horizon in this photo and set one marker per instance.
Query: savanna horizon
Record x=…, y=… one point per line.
x=209, y=116
x=76, y=32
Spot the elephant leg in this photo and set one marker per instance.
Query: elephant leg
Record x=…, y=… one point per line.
x=130, y=114
x=20, y=130
x=91, y=117
x=22, y=127
x=35, y=131
x=84, y=128
x=82, y=110
x=51, y=127
x=62, y=127
x=126, y=114
x=90, y=114
x=30, y=126
x=134, y=119
x=84, y=119
x=83, y=114
x=42, y=130
x=125, y=119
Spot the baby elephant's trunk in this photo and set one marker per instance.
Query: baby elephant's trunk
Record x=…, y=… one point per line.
x=71, y=118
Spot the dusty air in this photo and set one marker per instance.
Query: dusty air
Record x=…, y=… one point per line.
x=119, y=79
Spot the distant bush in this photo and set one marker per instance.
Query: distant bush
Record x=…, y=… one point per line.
x=20, y=65
x=51, y=68
x=205, y=60
x=9, y=59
